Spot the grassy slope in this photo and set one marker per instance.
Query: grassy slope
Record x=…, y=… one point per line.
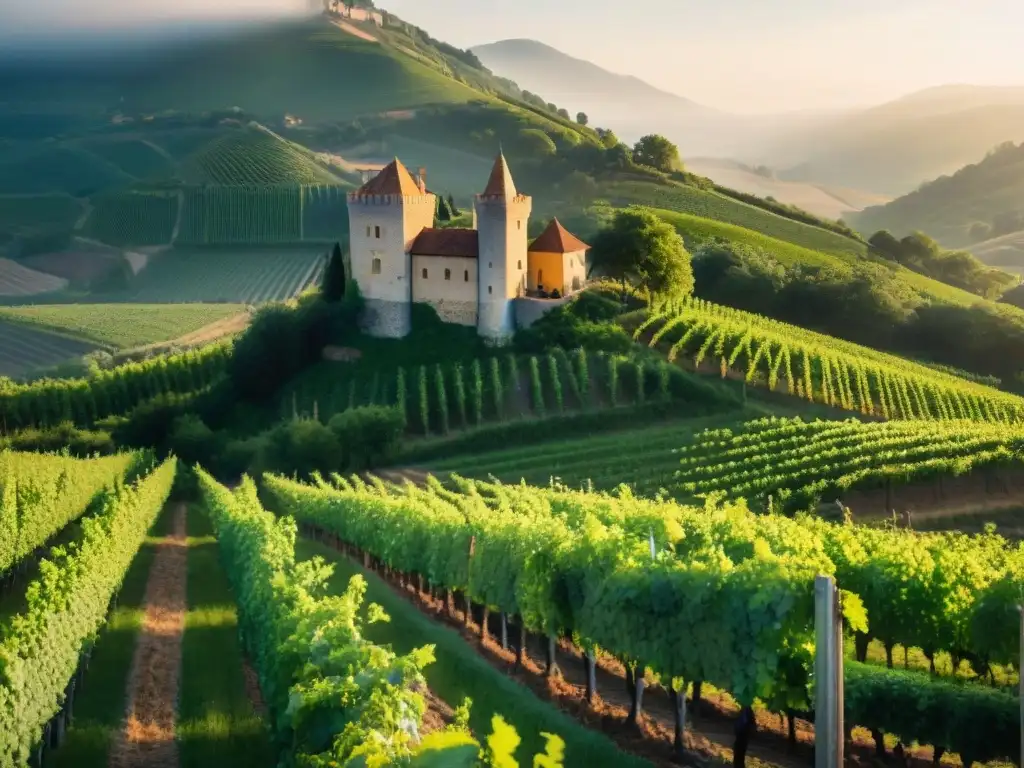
x=1006, y=252
x=121, y=326
x=459, y=672
x=216, y=721
x=790, y=254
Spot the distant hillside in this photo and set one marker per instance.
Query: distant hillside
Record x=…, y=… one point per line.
x=624, y=103
x=819, y=199
x=1006, y=252
x=891, y=148
x=978, y=202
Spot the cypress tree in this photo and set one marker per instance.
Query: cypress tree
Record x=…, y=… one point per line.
x=332, y=287
x=451, y=206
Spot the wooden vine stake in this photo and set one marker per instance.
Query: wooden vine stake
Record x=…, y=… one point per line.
x=828, y=675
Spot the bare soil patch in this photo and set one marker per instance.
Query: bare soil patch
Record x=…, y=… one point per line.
x=252, y=689
x=147, y=737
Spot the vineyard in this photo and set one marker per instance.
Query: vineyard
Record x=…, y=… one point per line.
x=38, y=211
x=443, y=398
x=226, y=275
x=711, y=205
x=46, y=645
x=133, y=218
x=793, y=465
x=112, y=391
x=17, y=280
x=256, y=156
x=819, y=368
x=120, y=326
x=136, y=157
x=630, y=576
x=24, y=349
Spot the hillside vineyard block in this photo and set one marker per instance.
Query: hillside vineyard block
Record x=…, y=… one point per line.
x=470, y=276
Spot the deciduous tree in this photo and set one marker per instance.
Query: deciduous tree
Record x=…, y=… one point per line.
x=657, y=152
x=641, y=248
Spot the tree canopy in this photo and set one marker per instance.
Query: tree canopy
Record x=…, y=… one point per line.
x=641, y=248
x=581, y=118
x=657, y=152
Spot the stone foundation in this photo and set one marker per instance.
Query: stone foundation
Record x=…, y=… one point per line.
x=386, y=319
x=529, y=310
x=458, y=312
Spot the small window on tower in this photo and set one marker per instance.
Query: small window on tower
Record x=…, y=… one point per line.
x=490, y=289
x=447, y=274
x=424, y=273
x=375, y=267
x=519, y=224
x=519, y=264
x=490, y=265
x=367, y=230
x=466, y=278
x=376, y=232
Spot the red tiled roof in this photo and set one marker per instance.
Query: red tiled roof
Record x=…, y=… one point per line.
x=394, y=179
x=447, y=242
x=500, y=183
x=557, y=239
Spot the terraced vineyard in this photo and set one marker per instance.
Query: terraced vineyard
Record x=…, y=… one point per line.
x=17, y=280
x=42, y=211
x=121, y=326
x=325, y=212
x=24, y=349
x=819, y=368
x=133, y=218
x=225, y=276
x=256, y=156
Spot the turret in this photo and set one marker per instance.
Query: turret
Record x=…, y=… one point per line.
x=502, y=216
x=385, y=216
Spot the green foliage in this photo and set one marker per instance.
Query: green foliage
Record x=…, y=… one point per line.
x=639, y=247
x=42, y=647
x=301, y=447
x=133, y=218
x=657, y=152
x=63, y=437
x=257, y=156
x=536, y=388
x=369, y=436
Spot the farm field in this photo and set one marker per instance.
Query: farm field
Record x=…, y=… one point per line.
x=18, y=280
x=121, y=326
x=225, y=275
x=24, y=349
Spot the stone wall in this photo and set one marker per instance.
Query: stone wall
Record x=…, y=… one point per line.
x=454, y=311
x=388, y=319
x=529, y=310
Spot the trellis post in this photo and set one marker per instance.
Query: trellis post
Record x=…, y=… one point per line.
x=828, y=675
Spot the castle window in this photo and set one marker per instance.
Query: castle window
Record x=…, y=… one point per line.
x=367, y=230
x=447, y=274
x=467, y=276
x=424, y=273
x=376, y=232
x=519, y=224
x=519, y=264
x=490, y=289
x=490, y=265
x=375, y=267
x=540, y=277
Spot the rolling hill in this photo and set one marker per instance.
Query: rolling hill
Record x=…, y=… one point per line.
x=1005, y=252
x=978, y=201
x=890, y=149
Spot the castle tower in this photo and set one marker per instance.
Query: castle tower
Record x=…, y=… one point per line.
x=385, y=216
x=502, y=216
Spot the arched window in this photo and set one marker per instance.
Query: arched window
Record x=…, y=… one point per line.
x=376, y=232
x=424, y=273
x=375, y=267
x=447, y=274
x=467, y=276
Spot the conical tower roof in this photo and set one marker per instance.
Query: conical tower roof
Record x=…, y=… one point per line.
x=500, y=183
x=394, y=179
x=557, y=239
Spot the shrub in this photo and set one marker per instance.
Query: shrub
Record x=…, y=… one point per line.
x=368, y=436
x=193, y=442
x=78, y=442
x=300, y=447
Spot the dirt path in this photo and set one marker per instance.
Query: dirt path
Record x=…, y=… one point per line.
x=355, y=31
x=147, y=737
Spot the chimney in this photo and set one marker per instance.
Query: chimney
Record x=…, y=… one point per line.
x=421, y=179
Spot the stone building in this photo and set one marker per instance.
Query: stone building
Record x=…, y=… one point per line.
x=470, y=276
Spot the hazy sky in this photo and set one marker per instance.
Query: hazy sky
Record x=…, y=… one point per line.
x=759, y=55
x=739, y=55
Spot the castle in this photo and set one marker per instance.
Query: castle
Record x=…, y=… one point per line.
x=472, y=276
